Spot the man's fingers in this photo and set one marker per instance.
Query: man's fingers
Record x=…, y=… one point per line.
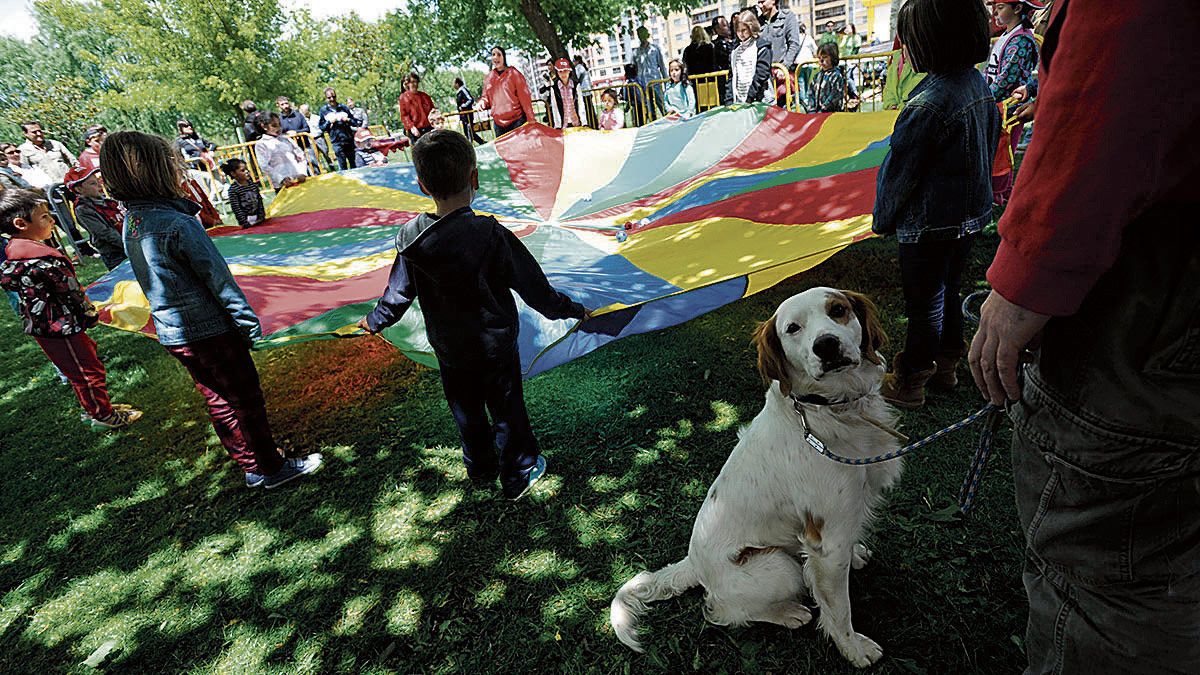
x=973, y=357
x=1008, y=360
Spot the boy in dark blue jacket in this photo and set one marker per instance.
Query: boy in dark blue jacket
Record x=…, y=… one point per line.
x=464, y=267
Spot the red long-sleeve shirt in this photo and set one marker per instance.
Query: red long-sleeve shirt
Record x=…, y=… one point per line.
x=508, y=96
x=1118, y=131
x=414, y=110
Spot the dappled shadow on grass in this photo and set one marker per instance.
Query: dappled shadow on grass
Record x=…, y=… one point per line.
x=389, y=558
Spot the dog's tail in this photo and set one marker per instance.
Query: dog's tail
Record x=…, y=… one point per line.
x=630, y=602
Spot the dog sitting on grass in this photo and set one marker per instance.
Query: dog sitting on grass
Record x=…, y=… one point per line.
x=780, y=518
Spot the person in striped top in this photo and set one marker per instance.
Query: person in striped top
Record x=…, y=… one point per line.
x=244, y=198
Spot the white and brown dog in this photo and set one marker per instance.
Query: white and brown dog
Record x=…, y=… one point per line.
x=780, y=517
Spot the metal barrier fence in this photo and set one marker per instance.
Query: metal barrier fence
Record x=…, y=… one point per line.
x=864, y=77
x=631, y=93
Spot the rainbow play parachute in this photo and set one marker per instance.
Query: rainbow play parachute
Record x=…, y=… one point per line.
x=653, y=226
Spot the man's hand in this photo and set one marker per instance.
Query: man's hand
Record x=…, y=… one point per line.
x=1020, y=93
x=1004, y=330
x=362, y=323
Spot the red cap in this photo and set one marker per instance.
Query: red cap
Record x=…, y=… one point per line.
x=78, y=174
x=562, y=64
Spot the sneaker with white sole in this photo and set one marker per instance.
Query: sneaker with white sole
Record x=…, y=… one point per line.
x=292, y=469
x=254, y=480
x=120, y=418
x=516, y=490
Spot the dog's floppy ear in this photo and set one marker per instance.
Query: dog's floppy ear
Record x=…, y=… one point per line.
x=772, y=363
x=873, y=337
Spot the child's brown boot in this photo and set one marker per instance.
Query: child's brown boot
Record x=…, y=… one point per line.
x=905, y=388
x=946, y=377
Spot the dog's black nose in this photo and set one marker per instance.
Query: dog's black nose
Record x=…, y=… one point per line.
x=828, y=348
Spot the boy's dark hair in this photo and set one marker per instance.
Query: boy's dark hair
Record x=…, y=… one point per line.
x=830, y=49
x=231, y=166
x=17, y=203
x=444, y=160
x=458, y=82
x=944, y=36
x=248, y=106
x=31, y=123
x=610, y=92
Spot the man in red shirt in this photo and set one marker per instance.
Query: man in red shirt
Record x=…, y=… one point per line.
x=506, y=94
x=1098, y=271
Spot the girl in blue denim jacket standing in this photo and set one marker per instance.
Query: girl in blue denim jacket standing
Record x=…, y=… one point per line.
x=200, y=314
x=934, y=189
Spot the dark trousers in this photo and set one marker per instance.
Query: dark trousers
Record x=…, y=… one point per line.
x=345, y=155
x=1106, y=461
x=501, y=129
x=468, y=122
x=227, y=379
x=75, y=356
x=931, y=274
x=496, y=387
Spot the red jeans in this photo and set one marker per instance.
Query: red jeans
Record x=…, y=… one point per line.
x=75, y=355
x=225, y=375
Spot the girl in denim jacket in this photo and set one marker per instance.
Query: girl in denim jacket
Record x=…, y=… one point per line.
x=200, y=314
x=934, y=190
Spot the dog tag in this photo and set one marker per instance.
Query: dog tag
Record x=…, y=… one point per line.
x=809, y=438
x=814, y=442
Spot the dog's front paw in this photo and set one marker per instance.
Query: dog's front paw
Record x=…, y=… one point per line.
x=861, y=650
x=860, y=557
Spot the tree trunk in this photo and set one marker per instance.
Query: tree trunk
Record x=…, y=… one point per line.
x=535, y=15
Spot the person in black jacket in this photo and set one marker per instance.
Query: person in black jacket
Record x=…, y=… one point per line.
x=338, y=121
x=465, y=103
x=464, y=268
x=723, y=44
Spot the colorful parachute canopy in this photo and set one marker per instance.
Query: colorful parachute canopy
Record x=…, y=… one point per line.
x=652, y=226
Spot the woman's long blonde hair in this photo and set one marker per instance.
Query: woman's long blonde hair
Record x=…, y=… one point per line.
x=140, y=166
x=700, y=36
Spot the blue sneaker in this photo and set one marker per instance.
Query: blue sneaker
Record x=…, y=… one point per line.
x=254, y=480
x=293, y=469
x=516, y=490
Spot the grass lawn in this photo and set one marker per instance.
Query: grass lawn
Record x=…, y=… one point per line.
x=387, y=561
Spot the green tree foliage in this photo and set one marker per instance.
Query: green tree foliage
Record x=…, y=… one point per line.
x=534, y=25
x=144, y=63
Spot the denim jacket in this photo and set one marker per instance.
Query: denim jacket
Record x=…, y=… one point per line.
x=192, y=294
x=936, y=181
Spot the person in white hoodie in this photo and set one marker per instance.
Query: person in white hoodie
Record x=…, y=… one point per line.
x=278, y=156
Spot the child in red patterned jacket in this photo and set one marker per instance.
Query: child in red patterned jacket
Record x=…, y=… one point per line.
x=55, y=310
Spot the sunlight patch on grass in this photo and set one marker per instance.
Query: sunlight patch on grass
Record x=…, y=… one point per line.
x=637, y=412
x=300, y=589
x=539, y=565
x=491, y=594
x=14, y=553
x=546, y=489
x=446, y=461
x=600, y=525
x=645, y=456
x=19, y=601
x=247, y=648
x=355, y=611
x=396, y=525
x=604, y=484
x=725, y=416
x=404, y=616
x=695, y=489
x=89, y=522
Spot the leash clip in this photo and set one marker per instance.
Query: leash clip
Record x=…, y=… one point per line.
x=809, y=437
